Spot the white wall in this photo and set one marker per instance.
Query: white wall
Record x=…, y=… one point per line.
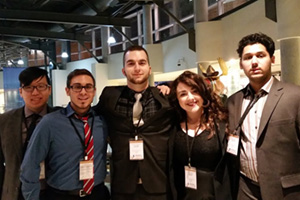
x=250, y=19
x=100, y=72
x=115, y=64
x=177, y=49
x=59, y=78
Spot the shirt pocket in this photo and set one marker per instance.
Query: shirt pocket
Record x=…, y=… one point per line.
x=290, y=180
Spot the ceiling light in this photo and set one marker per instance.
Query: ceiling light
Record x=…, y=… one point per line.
x=64, y=55
x=228, y=1
x=111, y=40
x=20, y=62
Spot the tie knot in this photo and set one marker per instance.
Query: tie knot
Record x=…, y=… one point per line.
x=34, y=117
x=260, y=94
x=138, y=96
x=84, y=119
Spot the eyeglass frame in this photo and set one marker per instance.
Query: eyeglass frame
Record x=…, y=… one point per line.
x=31, y=88
x=91, y=89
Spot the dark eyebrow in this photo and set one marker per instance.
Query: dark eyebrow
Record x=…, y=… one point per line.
x=259, y=52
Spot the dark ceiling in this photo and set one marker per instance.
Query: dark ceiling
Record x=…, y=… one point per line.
x=31, y=23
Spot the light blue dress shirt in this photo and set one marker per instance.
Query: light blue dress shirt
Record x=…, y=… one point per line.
x=55, y=141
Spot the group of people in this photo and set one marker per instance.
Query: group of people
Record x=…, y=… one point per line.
x=186, y=145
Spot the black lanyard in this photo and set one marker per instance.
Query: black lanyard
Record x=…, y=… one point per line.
x=82, y=140
x=189, y=148
x=250, y=105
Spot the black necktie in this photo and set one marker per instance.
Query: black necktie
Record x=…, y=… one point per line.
x=30, y=129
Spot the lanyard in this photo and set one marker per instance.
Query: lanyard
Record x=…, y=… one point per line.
x=82, y=140
x=250, y=105
x=189, y=148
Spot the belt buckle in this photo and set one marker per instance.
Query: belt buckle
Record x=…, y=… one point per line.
x=82, y=193
x=140, y=181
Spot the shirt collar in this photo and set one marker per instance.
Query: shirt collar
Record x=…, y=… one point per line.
x=268, y=85
x=249, y=92
x=69, y=111
x=29, y=112
x=131, y=93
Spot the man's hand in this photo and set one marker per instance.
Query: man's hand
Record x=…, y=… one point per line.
x=165, y=90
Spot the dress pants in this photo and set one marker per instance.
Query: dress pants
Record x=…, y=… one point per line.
x=140, y=194
x=248, y=189
x=99, y=192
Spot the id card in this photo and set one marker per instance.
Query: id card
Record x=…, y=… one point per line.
x=136, y=149
x=42, y=171
x=233, y=144
x=86, y=169
x=190, y=177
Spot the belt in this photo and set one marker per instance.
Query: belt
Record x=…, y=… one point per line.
x=249, y=180
x=77, y=192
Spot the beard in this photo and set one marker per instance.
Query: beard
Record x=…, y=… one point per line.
x=139, y=80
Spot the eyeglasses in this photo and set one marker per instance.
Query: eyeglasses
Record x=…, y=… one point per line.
x=40, y=87
x=78, y=87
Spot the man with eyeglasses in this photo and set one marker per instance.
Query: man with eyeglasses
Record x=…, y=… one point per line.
x=17, y=126
x=72, y=141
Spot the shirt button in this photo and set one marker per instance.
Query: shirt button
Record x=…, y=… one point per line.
x=255, y=127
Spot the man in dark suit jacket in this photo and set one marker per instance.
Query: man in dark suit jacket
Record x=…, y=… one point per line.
x=139, y=146
x=267, y=165
x=35, y=90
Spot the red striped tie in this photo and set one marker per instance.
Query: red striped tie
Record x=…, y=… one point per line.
x=89, y=183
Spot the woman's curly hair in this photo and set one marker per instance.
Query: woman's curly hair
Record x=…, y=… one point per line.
x=213, y=108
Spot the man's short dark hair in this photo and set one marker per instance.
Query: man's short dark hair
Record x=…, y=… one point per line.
x=78, y=72
x=135, y=48
x=254, y=39
x=32, y=73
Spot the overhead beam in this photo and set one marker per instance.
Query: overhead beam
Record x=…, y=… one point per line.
x=92, y=6
x=61, y=18
x=91, y=53
x=34, y=33
x=190, y=31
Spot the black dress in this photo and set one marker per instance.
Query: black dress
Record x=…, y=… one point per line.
x=205, y=156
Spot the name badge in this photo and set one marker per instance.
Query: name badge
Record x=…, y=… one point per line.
x=190, y=177
x=86, y=169
x=42, y=171
x=233, y=144
x=136, y=149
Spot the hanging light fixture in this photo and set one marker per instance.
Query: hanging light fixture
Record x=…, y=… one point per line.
x=20, y=62
x=64, y=55
x=111, y=40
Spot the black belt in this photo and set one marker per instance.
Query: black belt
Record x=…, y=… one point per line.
x=77, y=192
x=249, y=180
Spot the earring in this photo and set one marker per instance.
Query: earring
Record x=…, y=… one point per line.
x=206, y=105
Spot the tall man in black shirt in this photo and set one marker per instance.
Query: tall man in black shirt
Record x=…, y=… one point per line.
x=139, y=143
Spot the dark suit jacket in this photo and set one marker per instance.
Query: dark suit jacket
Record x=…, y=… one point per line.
x=155, y=133
x=278, y=142
x=11, y=153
